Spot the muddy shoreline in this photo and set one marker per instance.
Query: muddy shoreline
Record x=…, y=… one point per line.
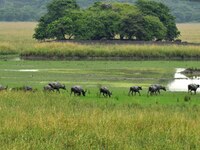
x=89, y=58
x=124, y=42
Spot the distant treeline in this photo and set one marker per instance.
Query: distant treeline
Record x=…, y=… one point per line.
x=32, y=10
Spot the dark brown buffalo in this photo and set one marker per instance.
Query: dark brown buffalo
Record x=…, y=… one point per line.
x=57, y=86
x=78, y=90
x=135, y=89
x=2, y=88
x=193, y=87
x=154, y=89
x=48, y=88
x=105, y=91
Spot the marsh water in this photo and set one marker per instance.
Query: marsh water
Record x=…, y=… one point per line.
x=181, y=81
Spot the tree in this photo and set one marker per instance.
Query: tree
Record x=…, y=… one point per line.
x=104, y=19
x=98, y=22
x=139, y=27
x=131, y=26
x=59, y=8
x=60, y=28
x=155, y=30
x=90, y=27
x=56, y=10
x=65, y=27
x=147, y=21
x=41, y=29
x=163, y=13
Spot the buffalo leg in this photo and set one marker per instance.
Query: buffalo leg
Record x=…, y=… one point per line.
x=58, y=90
x=71, y=93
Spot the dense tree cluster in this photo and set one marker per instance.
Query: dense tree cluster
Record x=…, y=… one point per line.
x=147, y=20
x=31, y=10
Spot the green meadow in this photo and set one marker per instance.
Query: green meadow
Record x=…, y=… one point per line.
x=39, y=120
x=120, y=74
x=59, y=121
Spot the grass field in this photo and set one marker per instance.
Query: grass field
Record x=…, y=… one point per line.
x=16, y=38
x=57, y=121
x=60, y=121
x=117, y=75
x=90, y=73
x=190, y=32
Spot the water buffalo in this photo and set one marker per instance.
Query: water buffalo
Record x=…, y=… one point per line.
x=135, y=89
x=193, y=87
x=154, y=89
x=160, y=87
x=3, y=87
x=105, y=91
x=48, y=88
x=78, y=90
x=27, y=88
x=23, y=88
x=57, y=86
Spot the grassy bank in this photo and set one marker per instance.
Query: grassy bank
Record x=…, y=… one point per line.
x=57, y=121
x=16, y=38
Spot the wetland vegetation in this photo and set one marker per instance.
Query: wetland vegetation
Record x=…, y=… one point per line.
x=16, y=39
x=59, y=121
x=42, y=120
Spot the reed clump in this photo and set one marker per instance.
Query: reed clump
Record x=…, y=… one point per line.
x=65, y=50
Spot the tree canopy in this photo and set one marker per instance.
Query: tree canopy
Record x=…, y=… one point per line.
x=55, y=23
x=163, y=13
x=147, y=20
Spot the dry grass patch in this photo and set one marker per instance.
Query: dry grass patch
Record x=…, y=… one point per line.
x=190, y=32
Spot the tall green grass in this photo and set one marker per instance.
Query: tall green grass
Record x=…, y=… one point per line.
x=63, y=50
x=57, y=121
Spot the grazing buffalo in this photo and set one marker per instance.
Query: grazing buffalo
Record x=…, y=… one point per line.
x=48, y=88
x=27, y=88
x=57, y=86
x=23, y=88
x=135, y=89
x=78, y=90
x=154, y=89
x=3, y=87
x=160, y=87
x=105, y=92
x=193, y=87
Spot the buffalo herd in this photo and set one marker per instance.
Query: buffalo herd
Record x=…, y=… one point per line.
x=78, y=90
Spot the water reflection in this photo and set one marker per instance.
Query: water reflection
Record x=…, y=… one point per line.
x=180, y=82
x=22, y=70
